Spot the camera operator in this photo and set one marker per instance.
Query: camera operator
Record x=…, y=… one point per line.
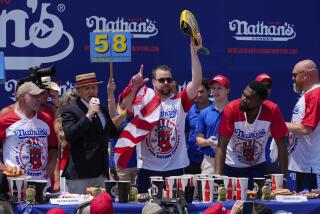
x=53, y=90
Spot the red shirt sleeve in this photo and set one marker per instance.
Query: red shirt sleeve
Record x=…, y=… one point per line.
x=6, y=121
x=278, y=126
x=226, y=127
x=312, y=111
x=52, y=138
x=185, y=100
x=2, y=132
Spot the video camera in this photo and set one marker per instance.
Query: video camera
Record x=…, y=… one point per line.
x=172, y=206
x=35, y=74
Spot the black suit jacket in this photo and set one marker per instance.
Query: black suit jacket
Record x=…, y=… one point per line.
x=88, y=143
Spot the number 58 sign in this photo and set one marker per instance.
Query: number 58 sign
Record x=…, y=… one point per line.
x=110, y=46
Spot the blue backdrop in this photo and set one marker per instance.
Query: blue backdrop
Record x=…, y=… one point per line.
x=245, y=38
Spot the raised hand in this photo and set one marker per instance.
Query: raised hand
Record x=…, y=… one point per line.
x=138, y=80
x=111, y=87
x=195, y=47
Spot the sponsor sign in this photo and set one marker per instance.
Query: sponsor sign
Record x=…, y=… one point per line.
x=261, y=31
x=110, y=46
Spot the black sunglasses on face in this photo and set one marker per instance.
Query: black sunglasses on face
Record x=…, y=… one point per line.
x=163, y=80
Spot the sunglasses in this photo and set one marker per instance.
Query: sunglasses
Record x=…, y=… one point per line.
x=163, y=80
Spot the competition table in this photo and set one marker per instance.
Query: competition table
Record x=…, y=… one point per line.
x=311, y=206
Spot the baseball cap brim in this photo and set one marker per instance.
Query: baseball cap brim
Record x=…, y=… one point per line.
x=29, y=88
x=36, y=91
x=54, y=86
x=224, y=83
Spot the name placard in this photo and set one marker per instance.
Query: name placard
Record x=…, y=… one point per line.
x=110, y=47
x=66, y=201
x=291, y=198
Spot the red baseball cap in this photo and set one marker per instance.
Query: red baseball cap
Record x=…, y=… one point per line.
x=222, y=80
x=262, y=77
x=56, y=211
x=216, y=209
x=101, y=204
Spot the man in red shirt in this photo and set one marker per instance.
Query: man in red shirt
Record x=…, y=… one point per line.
x=28, y=137
x=243, y=133
x=304, y=128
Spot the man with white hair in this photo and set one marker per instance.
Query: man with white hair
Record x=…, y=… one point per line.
x=304, y=137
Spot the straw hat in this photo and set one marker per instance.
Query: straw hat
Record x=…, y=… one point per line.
x=86, y=79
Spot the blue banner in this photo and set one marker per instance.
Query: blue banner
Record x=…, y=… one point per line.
x=245, y=38
x=2, y=74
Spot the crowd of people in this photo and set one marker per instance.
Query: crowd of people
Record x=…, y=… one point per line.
x=161, y=131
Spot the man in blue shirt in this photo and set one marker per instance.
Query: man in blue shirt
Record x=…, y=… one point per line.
x=209, y=120
x=194, y=153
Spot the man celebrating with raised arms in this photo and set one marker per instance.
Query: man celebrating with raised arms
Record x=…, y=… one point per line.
x=159, y=122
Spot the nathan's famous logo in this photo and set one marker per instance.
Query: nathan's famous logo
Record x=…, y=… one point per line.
x=33, y=155
x=21, y=133
x=248, y=152
x=141, y=28
x=163, y=141
x=261, y=31
x=11, y=85
x=249, y=135
x=44, y=34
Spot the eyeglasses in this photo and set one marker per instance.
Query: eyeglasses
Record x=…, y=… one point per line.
x=296, y=74
x=163, y=80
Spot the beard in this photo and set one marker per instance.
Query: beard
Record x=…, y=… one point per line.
x=164, y=91
x=296, y=89
x=245, y=108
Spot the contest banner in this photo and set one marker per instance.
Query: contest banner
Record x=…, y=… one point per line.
x=244, y=39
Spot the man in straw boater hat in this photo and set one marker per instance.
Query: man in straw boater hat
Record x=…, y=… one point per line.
x=87, y=126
